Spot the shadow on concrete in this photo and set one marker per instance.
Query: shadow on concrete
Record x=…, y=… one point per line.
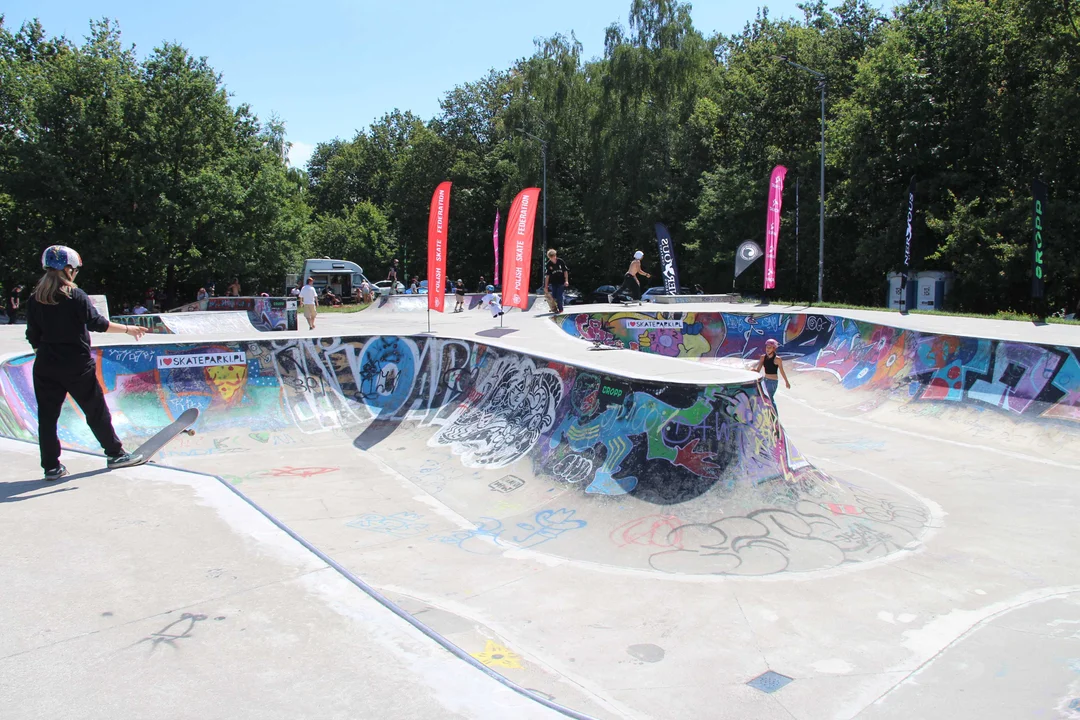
x=375, y=433
x=496, y=332
x=16, y=491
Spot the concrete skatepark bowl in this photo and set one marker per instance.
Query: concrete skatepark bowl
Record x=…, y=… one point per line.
x=635, y=533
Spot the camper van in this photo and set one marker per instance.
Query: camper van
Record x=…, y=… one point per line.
x=340, y=275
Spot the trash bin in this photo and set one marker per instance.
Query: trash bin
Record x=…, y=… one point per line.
x=934, y=287
x=901, y=299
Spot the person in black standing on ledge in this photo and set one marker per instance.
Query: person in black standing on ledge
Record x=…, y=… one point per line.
x=556, y=278
x=58, y=318
x=12, y=304
x=391, y=275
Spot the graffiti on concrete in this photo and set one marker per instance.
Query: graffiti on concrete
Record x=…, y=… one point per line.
x=504, y=414
x=501, y=417
x=490, y=534
x=799, y=533
x=1017, y=378
x=400, y=525
x=152, y=323
x=491, y=408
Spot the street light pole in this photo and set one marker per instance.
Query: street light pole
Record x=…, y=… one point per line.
x=821, y=217
x=543, y=227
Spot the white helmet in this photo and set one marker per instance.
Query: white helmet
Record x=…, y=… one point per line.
x=58, y=257
x=638, y=255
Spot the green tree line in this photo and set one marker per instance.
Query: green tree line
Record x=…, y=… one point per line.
x=147, y=168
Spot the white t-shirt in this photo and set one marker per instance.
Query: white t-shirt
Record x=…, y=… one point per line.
x=307, y=295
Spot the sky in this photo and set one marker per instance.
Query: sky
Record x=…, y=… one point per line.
x=329, y=68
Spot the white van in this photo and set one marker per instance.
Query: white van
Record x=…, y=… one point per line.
x=340, y=275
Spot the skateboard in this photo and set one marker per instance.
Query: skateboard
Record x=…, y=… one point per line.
x=552, y=305
x=163, y=437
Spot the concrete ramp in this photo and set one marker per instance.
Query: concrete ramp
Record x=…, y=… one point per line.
x=265, y=313
x=636, y=536
x=191, y=323
x=1025, y=394
x=196, y=323
x=584, y=455
x=419, y=303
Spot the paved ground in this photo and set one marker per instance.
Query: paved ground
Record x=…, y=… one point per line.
x=977, y=615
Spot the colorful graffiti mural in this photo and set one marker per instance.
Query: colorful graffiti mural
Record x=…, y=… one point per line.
x=152, y=323
x=1018, y=378
x=490, y=408
x=592, y=438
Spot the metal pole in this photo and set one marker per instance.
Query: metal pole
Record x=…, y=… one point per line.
x=543, y=249
x=821, y=219
x=798, y=293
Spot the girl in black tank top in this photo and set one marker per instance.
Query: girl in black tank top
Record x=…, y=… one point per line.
x=771, y=364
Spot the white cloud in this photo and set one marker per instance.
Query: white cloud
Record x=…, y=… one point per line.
x=300, y=153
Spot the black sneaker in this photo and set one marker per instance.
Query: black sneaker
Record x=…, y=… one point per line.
x=119, y=461
x=56, y=473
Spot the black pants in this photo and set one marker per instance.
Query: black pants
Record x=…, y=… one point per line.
x=631, y=285
x=52, y=386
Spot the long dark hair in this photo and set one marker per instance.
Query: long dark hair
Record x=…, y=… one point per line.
x=52, y=283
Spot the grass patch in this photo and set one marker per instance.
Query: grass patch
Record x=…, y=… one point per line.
x=1000, y=315
x=344, y=309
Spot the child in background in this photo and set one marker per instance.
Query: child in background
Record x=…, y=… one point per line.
x=459, y=291
x=493, y=302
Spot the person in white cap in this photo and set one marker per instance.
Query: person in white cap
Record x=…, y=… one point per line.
x=630, y=281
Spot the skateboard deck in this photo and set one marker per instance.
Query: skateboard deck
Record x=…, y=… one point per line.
x=145, y=452
x=552, y=306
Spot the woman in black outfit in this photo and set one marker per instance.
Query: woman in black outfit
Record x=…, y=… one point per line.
x=58, y=318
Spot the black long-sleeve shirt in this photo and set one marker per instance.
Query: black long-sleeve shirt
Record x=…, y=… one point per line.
x=60, y=333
